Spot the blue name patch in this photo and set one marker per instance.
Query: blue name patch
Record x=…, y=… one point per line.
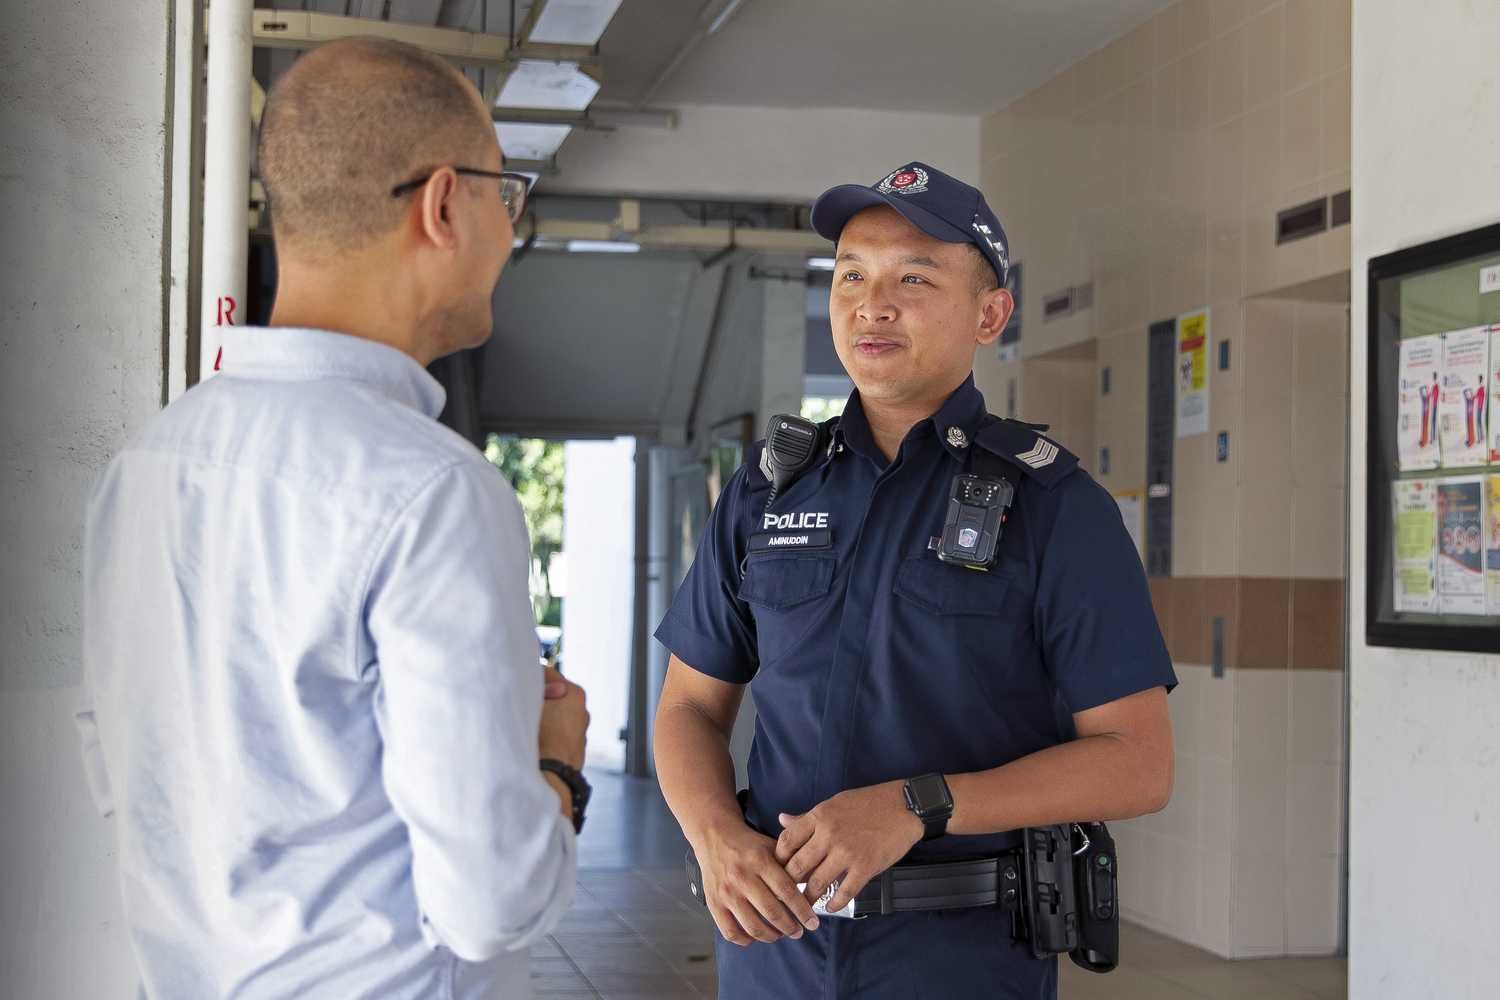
x=772, y=541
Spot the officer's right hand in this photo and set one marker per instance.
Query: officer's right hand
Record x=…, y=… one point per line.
x=565, y=721
x=749, y=894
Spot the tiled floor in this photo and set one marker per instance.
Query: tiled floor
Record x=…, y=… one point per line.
x=635, y=933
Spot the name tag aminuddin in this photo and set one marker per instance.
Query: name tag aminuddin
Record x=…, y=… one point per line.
x=774, y=541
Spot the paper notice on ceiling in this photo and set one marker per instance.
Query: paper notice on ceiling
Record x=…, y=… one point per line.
x=1460, y=516
x=1415, y=513
x=1416, y=407
x=1461, y=406
x=1192, y=374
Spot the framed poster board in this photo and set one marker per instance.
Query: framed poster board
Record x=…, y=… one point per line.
x=1433, y=500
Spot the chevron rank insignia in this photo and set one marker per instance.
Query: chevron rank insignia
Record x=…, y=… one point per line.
x=1039, y=455
x=1042, y=459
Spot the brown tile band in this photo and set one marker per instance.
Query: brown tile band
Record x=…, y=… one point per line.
x=1270, y=623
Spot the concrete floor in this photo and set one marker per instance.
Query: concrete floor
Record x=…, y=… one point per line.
x=635, y=933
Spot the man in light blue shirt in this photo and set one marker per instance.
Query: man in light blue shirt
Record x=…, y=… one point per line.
x=316, y=709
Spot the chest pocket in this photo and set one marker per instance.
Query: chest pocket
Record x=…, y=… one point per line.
x=941, y=589
x=784, y=592
x=982, y=619
x=780, y=582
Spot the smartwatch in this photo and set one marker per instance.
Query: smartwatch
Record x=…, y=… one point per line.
x=576, y=784
x=930, y=801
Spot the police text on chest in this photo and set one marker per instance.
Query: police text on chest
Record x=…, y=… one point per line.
x=792, y=522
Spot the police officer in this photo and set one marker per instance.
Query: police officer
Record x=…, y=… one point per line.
x=888, y=681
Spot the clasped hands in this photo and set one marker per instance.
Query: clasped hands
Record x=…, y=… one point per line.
x=750, y=880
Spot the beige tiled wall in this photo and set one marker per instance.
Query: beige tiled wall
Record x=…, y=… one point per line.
x=1153, y=169
x=1061, y=391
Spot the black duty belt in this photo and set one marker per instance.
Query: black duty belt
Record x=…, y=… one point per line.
x=939, y=885
x=943, y=885
x=1059, y=888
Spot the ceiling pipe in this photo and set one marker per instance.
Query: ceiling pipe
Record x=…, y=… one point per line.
x=707, y=25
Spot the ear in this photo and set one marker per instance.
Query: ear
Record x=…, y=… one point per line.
x=996, y=306
x=435, y=209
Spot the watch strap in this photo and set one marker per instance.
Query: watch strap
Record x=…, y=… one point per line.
x=935, y=823
x=577, y=785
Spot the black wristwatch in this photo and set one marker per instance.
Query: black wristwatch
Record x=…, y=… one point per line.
x=930, y=801
x=576, y=784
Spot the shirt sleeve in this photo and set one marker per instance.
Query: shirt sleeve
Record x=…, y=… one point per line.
x=708, y=627
x=1095, y=621
x=459, y=706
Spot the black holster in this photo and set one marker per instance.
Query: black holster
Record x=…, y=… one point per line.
x=1070, y=903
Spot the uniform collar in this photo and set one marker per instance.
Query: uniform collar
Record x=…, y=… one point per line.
x=957, y=421
x=963, y=412
x=288, y=353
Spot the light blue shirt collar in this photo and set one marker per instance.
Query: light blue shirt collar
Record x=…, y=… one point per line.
x=294, y=353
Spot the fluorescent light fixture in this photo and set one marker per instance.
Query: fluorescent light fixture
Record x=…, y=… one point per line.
x=724, y=15
x=602, y=246
x=573, y=22
x=820, y=263
x=537, y=84
x=528, y=141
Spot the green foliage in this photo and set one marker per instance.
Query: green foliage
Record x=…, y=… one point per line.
x=818, y=408
x=534, y=469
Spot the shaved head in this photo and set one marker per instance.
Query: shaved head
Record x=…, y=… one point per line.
x=353, y=119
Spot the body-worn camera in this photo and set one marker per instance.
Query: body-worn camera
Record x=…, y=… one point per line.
x=976, y=512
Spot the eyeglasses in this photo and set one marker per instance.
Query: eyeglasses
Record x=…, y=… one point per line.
x=514, y=187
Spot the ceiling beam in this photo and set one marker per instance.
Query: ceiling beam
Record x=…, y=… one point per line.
x=286, y=29
x=626, y=226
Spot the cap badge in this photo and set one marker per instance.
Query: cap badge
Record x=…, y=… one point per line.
x=909, y=180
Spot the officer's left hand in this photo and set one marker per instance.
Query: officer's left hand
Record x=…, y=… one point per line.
x=852, y=837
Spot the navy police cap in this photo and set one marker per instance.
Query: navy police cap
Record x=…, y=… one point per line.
x=943, y=207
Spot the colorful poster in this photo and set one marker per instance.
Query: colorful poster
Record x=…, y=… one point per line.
x=1415, y=507
x=1461, y=406
x=1493, y=399
x=1460, y=515
x=1192, y=374
x=1492, y=543
x=1416, y=413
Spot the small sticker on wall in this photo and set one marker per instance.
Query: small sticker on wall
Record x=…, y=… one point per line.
x=1489, y=279
x=1223, y=446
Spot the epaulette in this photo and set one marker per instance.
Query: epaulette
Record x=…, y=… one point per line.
x=1029, y=450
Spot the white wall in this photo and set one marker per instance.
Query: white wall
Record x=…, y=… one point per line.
x=82, y=176
x=599, y=543
x=1425, y=750
x=777, y=154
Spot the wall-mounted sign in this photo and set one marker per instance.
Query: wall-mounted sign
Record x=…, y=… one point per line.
x=1192, y=374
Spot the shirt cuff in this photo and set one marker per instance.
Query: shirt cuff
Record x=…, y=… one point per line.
x=715, y=659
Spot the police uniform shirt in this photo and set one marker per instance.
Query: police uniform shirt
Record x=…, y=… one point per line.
x=870, y=660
